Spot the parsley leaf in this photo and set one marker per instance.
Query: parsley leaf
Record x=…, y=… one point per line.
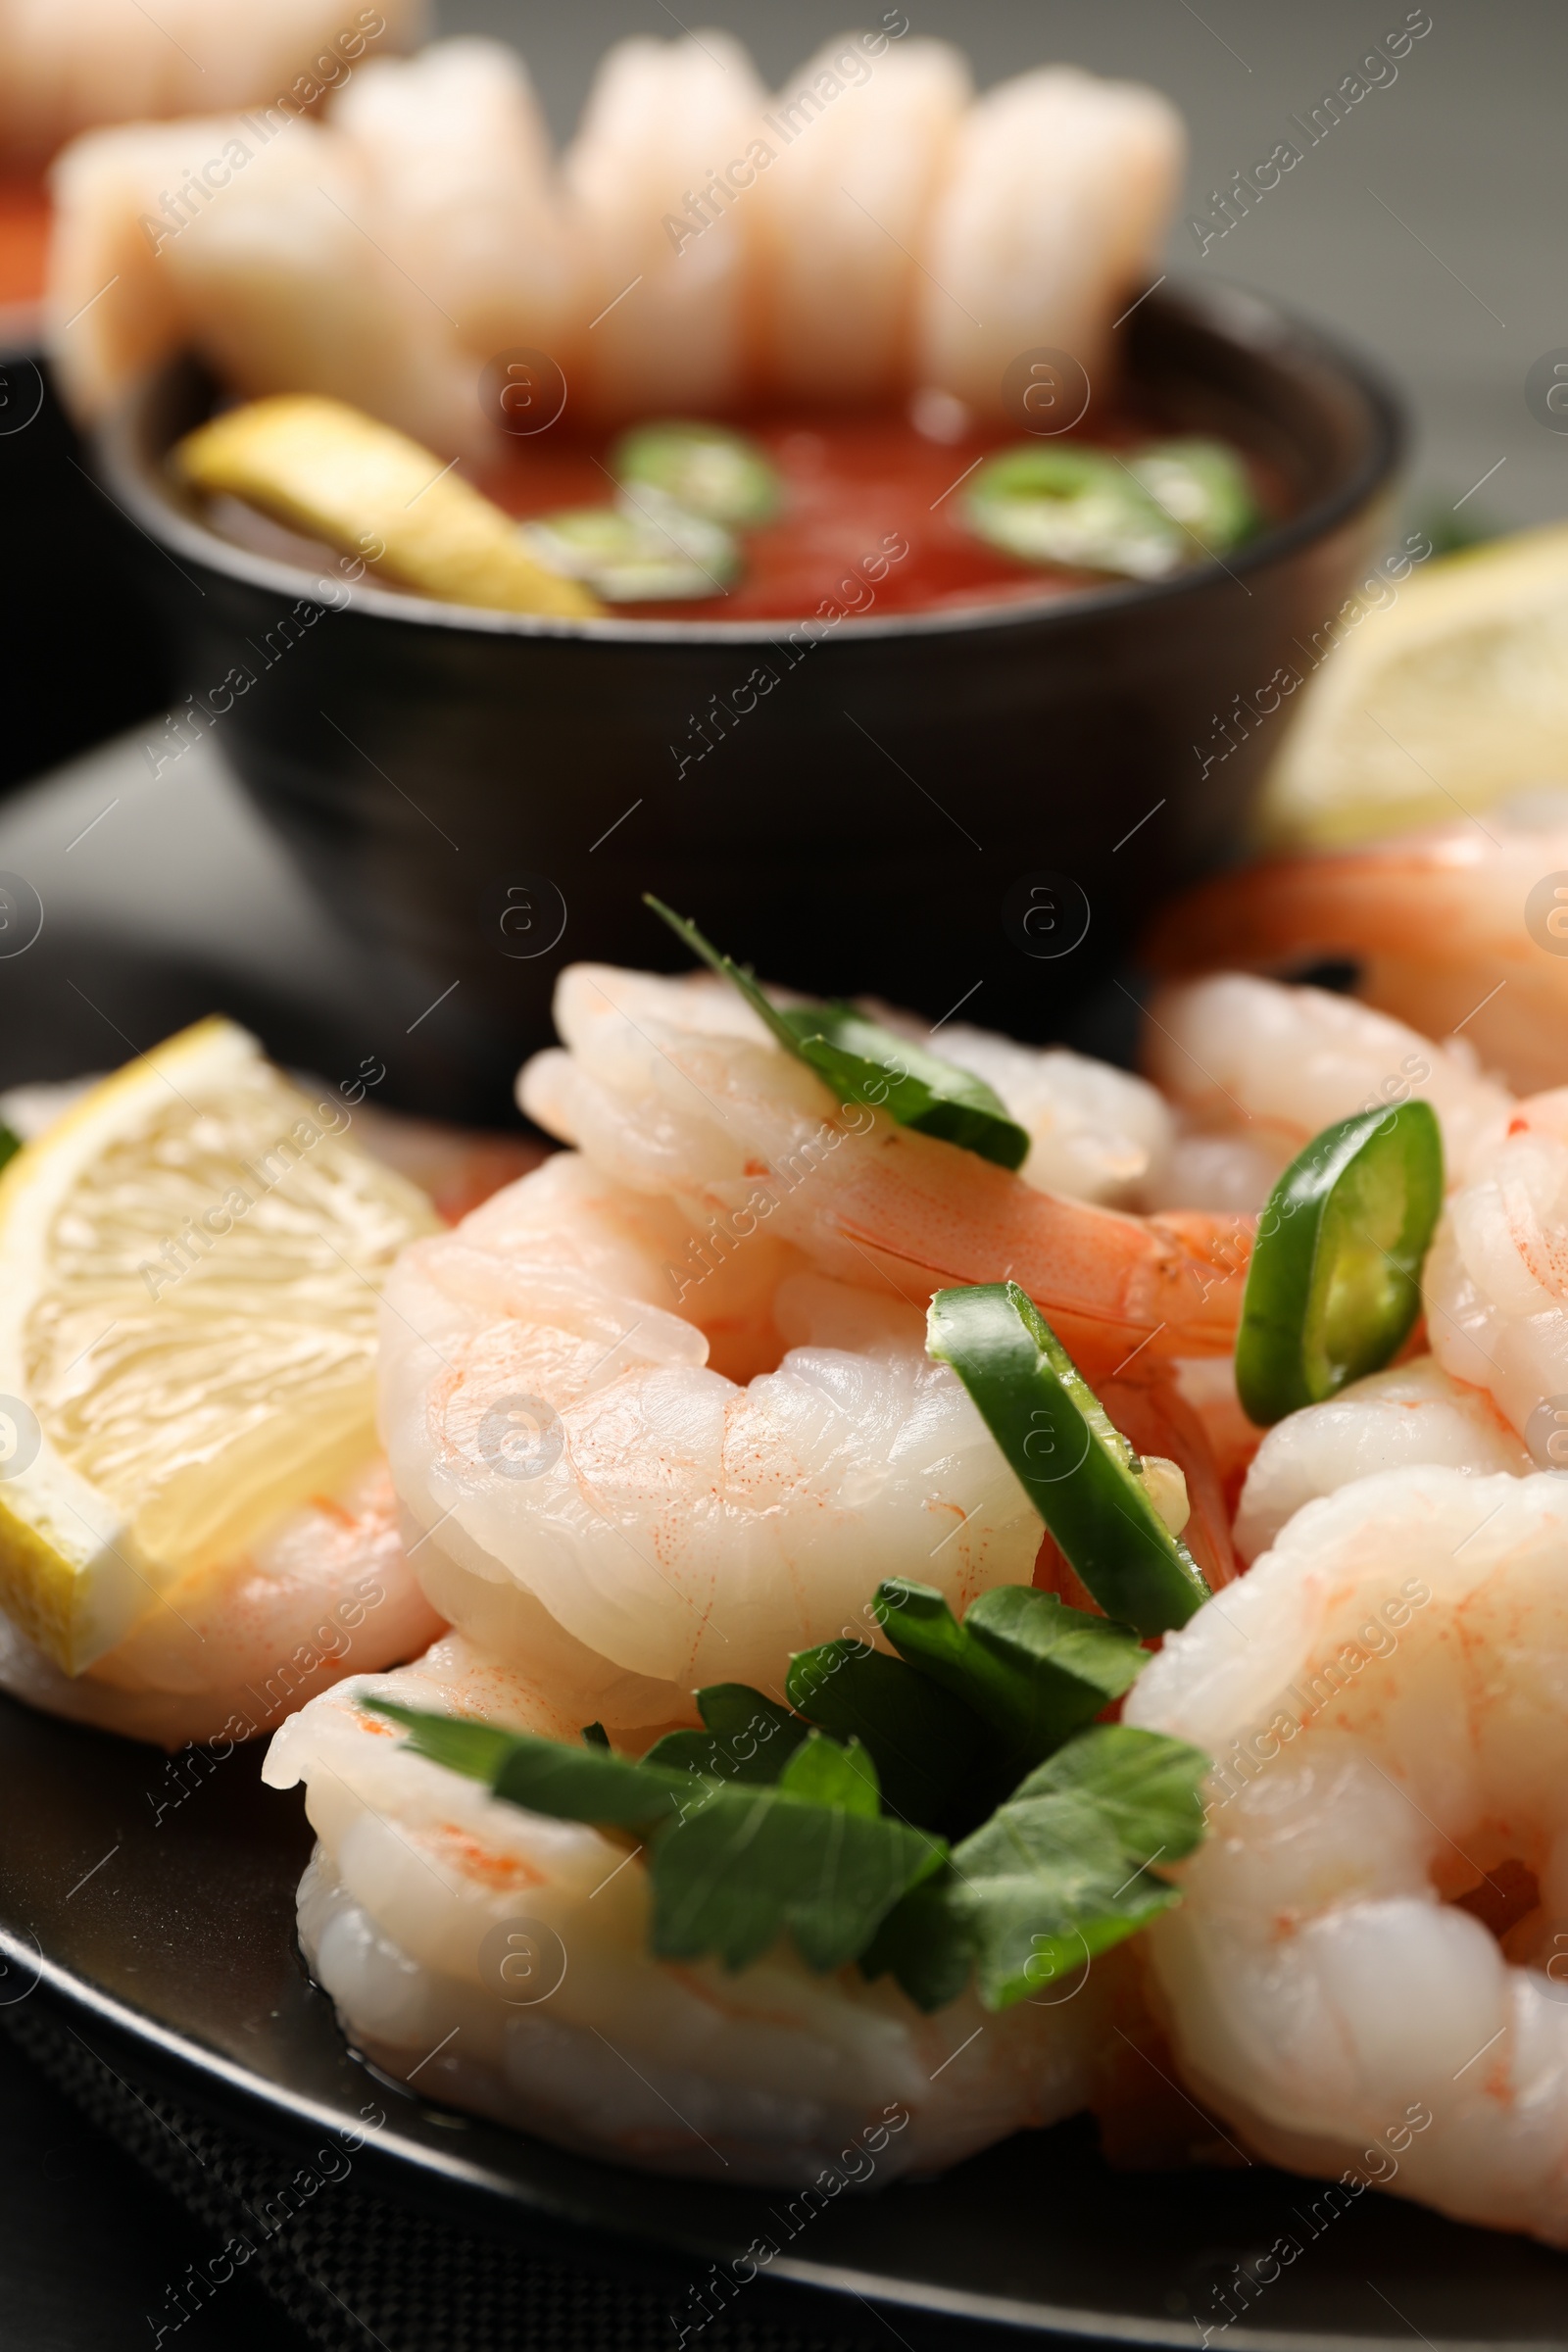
x=748, y=1737
x=932, y=1752
x=1062, y=1870
x=570, y=1783
x=1034, y=1670
x=739, y=1870
x=732, y=1866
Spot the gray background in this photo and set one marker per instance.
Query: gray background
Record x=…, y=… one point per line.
x=1458, y=294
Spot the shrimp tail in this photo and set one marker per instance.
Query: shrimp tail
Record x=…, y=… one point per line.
x=1108, y=1284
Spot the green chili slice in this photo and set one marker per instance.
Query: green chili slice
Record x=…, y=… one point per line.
x=637, y=558
x=1335, y=1281
x=1078, y=1470
x=1203, y=485
x=1072, y=505
x=706, y=468
x=864, y=1063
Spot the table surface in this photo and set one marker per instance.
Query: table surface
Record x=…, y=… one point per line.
x=89, y=2247
x=1427, y=225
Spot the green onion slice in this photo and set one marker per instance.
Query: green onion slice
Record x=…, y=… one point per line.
x=1203, y=485
x=1072, y=505
x=1335, y=1281
x=1078, y=1470
x=706, y=468
x=638, y=557
x=864, y=1063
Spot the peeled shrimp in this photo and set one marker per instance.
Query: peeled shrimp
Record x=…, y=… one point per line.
x=63, y=69
x=113, y=312
x=1256, y=1070
x=1411, y=1413
x=1495, y=1283
x=283, y=287
x=327, y=1592
x=502, y=1959
x=566, y=1440
x=1457, y=930
x=859, y=145
x=464, y=194
x=1096, y=1133
x=674, y=1088
x=667, y=249
x=1362, y=1974
x=1207, y=1386
x=1051, y=218
x=270, y=269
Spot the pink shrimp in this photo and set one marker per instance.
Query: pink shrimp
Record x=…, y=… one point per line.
x=674, y=1086
x=1455, y=930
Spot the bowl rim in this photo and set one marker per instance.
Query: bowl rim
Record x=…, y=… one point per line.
x=1235, y=314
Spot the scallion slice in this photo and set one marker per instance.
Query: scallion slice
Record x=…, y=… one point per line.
x=864, y=1063
x=1335, y=1279
x=1078, y=1470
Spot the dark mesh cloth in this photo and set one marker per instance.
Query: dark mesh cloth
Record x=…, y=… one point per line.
x=354, y=2272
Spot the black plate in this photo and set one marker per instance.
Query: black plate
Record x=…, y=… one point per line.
x=152, y=1902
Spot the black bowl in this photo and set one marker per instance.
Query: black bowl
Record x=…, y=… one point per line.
x=982, y=805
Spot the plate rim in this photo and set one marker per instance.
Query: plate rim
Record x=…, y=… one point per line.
x=399, y=2164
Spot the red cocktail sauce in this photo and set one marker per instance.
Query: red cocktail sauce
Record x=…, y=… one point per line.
x=858, y=486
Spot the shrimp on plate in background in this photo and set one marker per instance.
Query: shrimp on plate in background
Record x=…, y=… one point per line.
x=1253, y=1069
x=1460, y=931
x=669, y=1397
x=197, y=1532
x=1360, y=1977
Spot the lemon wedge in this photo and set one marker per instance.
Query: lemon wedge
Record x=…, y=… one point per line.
x=189, y=1261
x=347, y=478
x=1451, y=696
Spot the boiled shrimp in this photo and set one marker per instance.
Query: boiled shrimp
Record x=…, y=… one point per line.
x=1096, y=1132
x=1256, y=1070
x=1207, y=1386
x=112, y=313
x=1361, y=1978
x=502, y=1960
x=674, y=1088
x=843, y=211
x=327, y=1592
x=1456, y=931
x=668, y=253
x=64, y=69
x=1496, y=1282
x=273, y=274
x=1049, y=219
x=562, y=1433
x=1413, y=1412
x=462, y=188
